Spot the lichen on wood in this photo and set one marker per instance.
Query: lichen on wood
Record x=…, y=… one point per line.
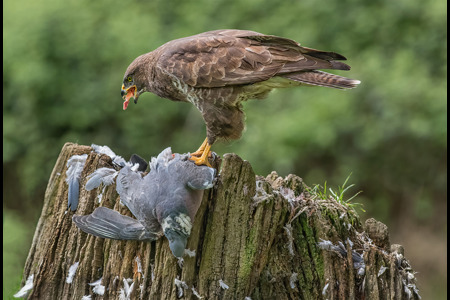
x=253, y=237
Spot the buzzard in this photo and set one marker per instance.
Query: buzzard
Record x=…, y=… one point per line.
x=217, y=70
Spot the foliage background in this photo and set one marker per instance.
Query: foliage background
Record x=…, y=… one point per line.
x=63, y=64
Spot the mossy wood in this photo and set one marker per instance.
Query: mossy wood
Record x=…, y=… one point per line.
x=253, y=237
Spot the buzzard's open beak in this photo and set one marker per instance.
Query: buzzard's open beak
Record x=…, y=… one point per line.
x=127, y=94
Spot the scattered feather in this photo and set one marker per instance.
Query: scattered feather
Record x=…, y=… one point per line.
x=245, y=189
x=181, y=285
x=407, y=290
x=381, y=271
x=358, y=260
x=100, y=196
x=87, y=297
x=26, y=288
x=102, y=175
x=137, y=259
x=72, y=270
x=260, y=192
x=325, y=245
x=115, y=279
x=288, y=229
x=223, y=285
x=325, y=288
x=99, y=289
x=75, y=166
x=152, y=267
x=125, y=293
x=350, y=243
x=288, y=194
x=118, y=160
x=196, y=293
x=180, y=262
x=293, y=280
x=103, y=150
x=190, y=253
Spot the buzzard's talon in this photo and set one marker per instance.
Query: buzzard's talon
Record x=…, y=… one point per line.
x=199, y=161
x=200, y=157
x=200, y=150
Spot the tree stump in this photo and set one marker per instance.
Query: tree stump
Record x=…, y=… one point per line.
x=253, y=238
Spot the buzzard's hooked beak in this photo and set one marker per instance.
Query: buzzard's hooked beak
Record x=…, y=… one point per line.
x=127, y=94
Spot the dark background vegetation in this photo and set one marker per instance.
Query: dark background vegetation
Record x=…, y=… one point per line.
x=63, y=64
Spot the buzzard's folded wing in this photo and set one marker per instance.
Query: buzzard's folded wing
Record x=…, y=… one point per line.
x=230, y=57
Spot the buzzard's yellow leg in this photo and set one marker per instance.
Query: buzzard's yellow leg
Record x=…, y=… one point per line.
x=200, y=150
x=204, y=152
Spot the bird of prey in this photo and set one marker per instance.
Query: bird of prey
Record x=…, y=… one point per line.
x=217, y=70
x=164, y=201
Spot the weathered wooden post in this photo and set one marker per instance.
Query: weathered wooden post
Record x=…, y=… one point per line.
x=253, y=238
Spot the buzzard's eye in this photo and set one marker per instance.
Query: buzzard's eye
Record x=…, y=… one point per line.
x=129, y=79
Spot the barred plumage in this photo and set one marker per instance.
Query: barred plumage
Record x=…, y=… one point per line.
x=217, y=70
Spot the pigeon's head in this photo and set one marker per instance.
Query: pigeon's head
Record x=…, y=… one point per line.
x=177, y=228
x=177, y=242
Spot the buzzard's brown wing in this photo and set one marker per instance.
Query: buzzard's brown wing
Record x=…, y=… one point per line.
x=232, y=57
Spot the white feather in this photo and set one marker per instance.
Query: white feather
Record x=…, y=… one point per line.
x=73, y=268
x=26, y=288
x=223, y=285
x=75, y=165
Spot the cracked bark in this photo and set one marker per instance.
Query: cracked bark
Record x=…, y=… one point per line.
x=253, y=237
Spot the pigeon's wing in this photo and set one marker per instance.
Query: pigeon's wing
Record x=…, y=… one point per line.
x=200, y=177
x=128, y=183
x=108, y=223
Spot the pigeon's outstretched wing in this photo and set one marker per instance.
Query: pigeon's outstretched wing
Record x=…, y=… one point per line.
x=108, y=223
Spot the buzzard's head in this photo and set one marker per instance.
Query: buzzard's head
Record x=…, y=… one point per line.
x=134, y=81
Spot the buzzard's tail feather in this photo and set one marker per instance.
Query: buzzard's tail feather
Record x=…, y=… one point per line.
x=323, y=54
x=321, y=78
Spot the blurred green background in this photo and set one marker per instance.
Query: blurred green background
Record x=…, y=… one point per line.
x=63, y=63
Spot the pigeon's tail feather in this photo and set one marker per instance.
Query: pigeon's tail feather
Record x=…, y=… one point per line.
x=136, y=159
x=108, y=223
x=321, y=78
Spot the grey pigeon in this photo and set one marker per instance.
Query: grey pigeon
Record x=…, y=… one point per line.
x=164, y=201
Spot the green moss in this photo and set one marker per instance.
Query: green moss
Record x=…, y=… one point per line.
x=248, y=259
